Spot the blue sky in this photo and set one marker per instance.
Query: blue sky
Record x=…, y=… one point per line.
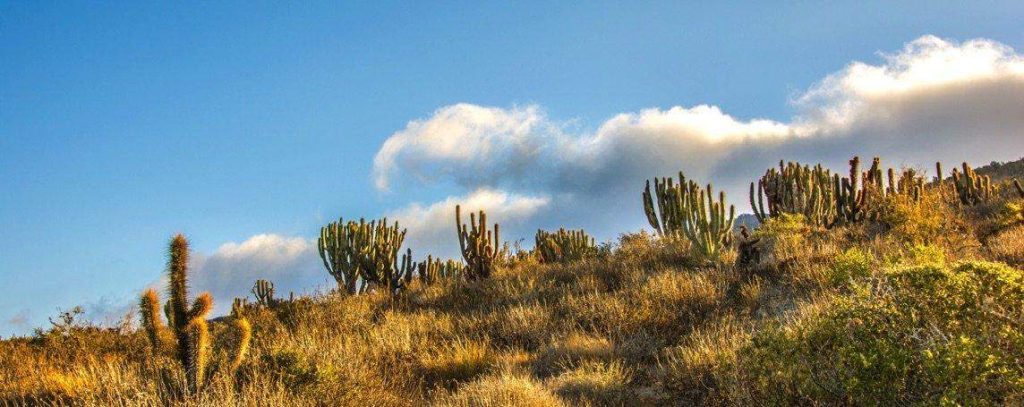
x=121, y=124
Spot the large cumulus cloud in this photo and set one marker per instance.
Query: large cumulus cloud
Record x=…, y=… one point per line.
x=934, y=99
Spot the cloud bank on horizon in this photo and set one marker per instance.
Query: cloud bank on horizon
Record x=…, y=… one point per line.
x=935, y=99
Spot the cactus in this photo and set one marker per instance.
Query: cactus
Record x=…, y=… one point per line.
x=479, y=246
x=395, y=278
x=1020, y=190
x=970, y=187
x=187, y=325
x=794, y=189
x=563, y=246
x=686, y=209
x=707, y=226
x=854, y=194
x=360, y=251
x=667, y=219
x=263, y=290
x=433, y=270
x=244, y=334
x=909, y=184
x=938, y=173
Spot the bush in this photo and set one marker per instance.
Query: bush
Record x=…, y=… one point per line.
x=926, y=334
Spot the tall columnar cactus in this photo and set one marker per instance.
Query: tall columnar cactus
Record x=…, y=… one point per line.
x=854, y=194
x=1020, y=190
x=563, y=246
x=188, y=326
x=938, y=173
x=909, y=184
x=433, y=270
x=668, y=215
x=971, y=188
x=396, y=278
x=360, y=251
x=686, y=209
x=794, y=189
x=263, y=290
x=480, y=247
x=706, y=226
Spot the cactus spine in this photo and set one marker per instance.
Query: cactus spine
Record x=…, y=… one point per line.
x=187, y=324
x=563, y=246
x=479, y=246
x=971, y=188
x=794, y=189
x=263, y=290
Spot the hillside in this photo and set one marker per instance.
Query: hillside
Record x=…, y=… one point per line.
x=921, y=301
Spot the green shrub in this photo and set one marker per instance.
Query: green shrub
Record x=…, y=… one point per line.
x=854, y=263
x=927, y=334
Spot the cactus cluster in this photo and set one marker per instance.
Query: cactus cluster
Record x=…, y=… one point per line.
x=971, y=188
x=188, y=335
x=263, y=291
x=688, y=210
x=909, y=184
x=795, y=189
x=480, y=247
x=363, y=252
x=433, y=270
x=563, y=246
x=854, y=194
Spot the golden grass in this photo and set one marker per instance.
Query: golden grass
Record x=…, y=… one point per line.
x=643, y=324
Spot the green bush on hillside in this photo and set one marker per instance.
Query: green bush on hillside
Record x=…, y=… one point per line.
x=924, y=334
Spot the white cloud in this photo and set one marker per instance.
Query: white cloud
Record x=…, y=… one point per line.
x=468, y=143
x=934, y=100
x=291, y=263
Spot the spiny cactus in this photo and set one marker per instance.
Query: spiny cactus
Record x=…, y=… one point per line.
x=667, y=217
x=433, y=270
x=854, y=194
x=563, y=246
x=1020, y=190
x=263, y=290
x=243, y=331
x=480, y=247
x=396, y=278
x=971, y=188
x=188, y=326
x=360, y=251
x=795, y=189
x=688, y=210
x=909, y=184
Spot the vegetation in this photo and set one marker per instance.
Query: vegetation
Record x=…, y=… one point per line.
x=686, y=209
x=188, y=338
x=563, y=246
x=905, y=296
x=480, y=246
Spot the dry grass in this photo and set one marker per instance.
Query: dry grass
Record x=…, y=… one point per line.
x=644, y=323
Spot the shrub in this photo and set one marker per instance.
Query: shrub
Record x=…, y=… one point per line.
x=1008, y=245
x=926, y=334
x=854, y=263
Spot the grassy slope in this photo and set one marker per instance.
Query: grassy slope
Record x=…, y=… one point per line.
x=884, y=312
